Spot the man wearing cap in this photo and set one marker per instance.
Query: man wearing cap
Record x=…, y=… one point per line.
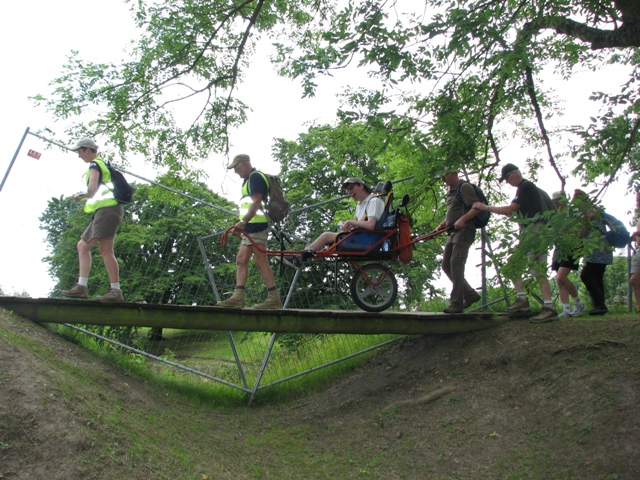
x=528, y=202
x=461, y=237
x=107, y=215
x=254, y=222
x=369, y=209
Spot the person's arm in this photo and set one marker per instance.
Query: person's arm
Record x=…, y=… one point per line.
x=499, y=210
x=92, y=185
x=461, y=222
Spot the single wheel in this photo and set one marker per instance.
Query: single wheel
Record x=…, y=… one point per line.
x=373, y=289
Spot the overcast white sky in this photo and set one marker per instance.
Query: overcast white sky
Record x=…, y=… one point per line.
x=37, y=35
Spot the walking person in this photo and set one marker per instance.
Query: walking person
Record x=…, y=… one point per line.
x=253, y=221
x=564, y=264
x=106, y=217
x=461, y=237
x=528, y=204
x=595, y=264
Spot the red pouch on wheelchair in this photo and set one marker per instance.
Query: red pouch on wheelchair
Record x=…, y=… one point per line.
x=404, y=238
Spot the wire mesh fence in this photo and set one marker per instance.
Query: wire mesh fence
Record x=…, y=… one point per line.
x=174, y=255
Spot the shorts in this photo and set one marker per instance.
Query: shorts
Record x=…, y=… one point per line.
x=104, y=224
x=635, y=262
x=261, y=237
x=540, y=261
x=568, y=262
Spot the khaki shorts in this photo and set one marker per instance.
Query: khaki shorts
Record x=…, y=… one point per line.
x=104, y=224
x=635, y=262
x=261, y=237
x=539, y=264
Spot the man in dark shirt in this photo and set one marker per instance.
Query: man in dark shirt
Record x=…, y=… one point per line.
x=528, y=202
x=253, y=221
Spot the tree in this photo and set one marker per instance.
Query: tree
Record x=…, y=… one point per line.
x=483, y=58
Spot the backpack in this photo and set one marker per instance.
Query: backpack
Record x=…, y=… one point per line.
x=482, y=219
x=122, y=191
x=617, y=234
x=404, y=237
x=277, y=208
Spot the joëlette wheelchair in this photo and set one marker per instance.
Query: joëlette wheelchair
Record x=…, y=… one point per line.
x=373, y=286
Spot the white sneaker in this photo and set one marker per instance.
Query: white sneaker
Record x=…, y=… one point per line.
x=578, y=308
x=565, y=314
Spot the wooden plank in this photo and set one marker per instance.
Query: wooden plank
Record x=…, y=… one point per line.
x=52, y=310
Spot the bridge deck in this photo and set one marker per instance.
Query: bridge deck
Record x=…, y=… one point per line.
x=49, y=310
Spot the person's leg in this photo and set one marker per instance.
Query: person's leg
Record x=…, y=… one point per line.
x=459, y=254
x=273, y=299
x=80, y=290
x=236, y=300
x=84, y=257
x=587, y=277
x=320, y=242
x=598, y=287
x=108, y=256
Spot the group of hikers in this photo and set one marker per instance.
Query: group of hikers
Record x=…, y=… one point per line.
x=528, y=207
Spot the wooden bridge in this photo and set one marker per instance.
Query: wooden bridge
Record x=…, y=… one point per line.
x=88, y=312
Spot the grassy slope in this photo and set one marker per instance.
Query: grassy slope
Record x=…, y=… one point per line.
x=557, y=400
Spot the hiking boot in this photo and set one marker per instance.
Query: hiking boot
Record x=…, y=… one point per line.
x=269, y=304
x=77, y=291
x=578, y=308
x=547, y=314
x=112, y=295
x=452, y=309
x=470, y=301
x=599, y=310
x=272, y=302
x=234, y=301
x=520, y=305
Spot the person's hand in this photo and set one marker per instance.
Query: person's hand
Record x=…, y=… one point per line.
x=347, y=226
x=79, y=196
x=238, y=228
x=460, y=223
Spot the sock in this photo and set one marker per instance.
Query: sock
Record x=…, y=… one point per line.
x=548, y=304
x=566, y=307
x=84, y=281
x=522, y=295
x=116, y=285
x=577, y=301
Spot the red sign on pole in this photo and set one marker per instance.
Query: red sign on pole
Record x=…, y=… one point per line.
x=34, y=154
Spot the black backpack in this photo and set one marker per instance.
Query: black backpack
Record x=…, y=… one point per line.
x=122, y=191
x=482, y=219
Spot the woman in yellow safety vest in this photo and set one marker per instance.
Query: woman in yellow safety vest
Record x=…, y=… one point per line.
x=107, y=215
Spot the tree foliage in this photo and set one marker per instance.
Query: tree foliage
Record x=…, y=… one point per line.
x=458, y=77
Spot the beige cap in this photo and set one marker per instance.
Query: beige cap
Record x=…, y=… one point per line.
x=86, y=142
x=237, y=159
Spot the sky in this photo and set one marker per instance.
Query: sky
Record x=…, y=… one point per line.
x=37, y=36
